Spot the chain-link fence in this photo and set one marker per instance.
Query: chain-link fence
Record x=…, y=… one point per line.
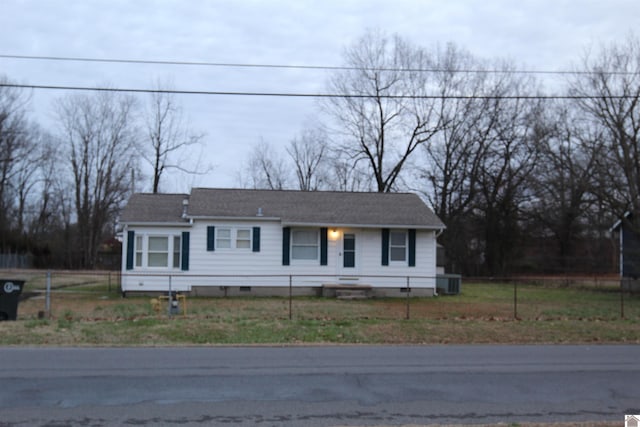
x=549, y=298
x=96, y=295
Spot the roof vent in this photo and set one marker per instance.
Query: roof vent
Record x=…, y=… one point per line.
x=259, y=212
x=185, y=207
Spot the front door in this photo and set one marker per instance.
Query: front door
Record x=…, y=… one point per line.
x=348, y=260
x=349, y=252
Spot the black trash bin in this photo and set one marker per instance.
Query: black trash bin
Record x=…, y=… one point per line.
x=10, y=291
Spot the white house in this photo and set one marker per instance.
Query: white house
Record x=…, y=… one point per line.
x=266, y=242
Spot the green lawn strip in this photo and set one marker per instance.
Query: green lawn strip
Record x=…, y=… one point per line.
x=482, y=313
x=160, y=330
x=542, y=302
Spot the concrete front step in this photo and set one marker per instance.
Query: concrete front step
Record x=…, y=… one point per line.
x=352, y=294
x=343, y=291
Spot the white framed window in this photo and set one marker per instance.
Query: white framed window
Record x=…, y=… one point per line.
x=305, y=244
x=243, y=238
x=158, y=251
x=223, y=238
x=233, y=238
x=139, y=250
x=398, y=246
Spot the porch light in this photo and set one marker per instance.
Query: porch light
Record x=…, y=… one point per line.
x=334, y=234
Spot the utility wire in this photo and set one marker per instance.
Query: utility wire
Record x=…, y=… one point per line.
x=300, y=67
x=306, y=95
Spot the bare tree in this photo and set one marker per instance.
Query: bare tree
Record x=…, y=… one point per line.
x=15, y=154
x=609, y=96
x=309, y=154
x=99, y=137
x=453, y=157
x=505, y=171
x=29, y=165
x=503, y=183
x=169, y=138
x=477, y=166
x=450, y=172
x=347, y=175
x=265, y=169
x=383, y=117
x=562, y=182
x=35, y=150
x=46, y=205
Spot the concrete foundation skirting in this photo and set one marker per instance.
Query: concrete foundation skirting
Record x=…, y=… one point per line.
x=402, y=292
x=255, y=291
x=283, y=291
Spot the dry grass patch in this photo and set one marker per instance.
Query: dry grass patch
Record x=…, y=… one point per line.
x=483, y=313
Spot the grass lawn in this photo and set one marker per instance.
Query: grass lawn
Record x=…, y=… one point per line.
x=84, y=312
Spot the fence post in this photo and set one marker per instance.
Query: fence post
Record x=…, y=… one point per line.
x=47, y=299
x=290, y=296
x=515, y=300
x=408, y=316
x=622, y=299
x=169, y=299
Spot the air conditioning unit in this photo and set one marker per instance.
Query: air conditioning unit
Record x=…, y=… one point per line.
x=448, y=284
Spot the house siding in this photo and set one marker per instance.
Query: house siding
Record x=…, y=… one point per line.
x=244, y=267
x=235, y=261
x=630, y=252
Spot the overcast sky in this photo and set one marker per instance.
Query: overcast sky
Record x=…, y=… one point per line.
x=535, y=34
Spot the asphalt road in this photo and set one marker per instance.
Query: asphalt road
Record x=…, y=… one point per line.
x=317, y=386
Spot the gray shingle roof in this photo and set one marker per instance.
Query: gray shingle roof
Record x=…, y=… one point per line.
x=291, y=207
x=156, y=208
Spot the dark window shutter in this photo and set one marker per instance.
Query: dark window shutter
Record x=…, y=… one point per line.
x=323, y=246
x=385, y=246
x=185, y=250
x=256, y=239
x=412, y=247
x=130, y=242
x=211, y=238
x=286, y=239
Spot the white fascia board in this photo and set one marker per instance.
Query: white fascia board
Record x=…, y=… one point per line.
x=156, y=224
x=617, y=224
x=339, y=225
x=232, y=218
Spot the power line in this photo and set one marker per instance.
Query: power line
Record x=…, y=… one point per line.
x=163, y=62
x=306, y=95
x=301, y=67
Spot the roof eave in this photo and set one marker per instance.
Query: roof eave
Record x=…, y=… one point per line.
x=232, y=218
x=618, y=223
x=346, y=225
x=155, y=223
